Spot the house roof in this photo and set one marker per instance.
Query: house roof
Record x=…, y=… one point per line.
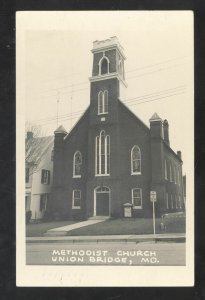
x=36, y=148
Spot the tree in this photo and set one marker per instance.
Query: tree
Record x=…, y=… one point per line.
x=36, y=145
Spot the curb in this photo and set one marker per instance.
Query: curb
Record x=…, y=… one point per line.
x=107, y=240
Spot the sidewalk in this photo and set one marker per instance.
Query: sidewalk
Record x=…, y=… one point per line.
x=165, y=237
x=62, y=231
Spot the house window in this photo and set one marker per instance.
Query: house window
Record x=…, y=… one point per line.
x=170, y=170
x=167, y=200
x=137, y=198
x=104, y=66
x=45, y=176
x=77, y=164
x=43, y=201
x=135, y=161
x=103, y=102
x=102, y=156
x=165, y=169
x=76, y=204
x=27, y=175
x=27, y=203
x=52, y=154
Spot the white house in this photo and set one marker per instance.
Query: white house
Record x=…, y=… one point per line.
x=39, y=174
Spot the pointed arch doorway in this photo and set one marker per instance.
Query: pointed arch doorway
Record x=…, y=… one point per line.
x=101, y=201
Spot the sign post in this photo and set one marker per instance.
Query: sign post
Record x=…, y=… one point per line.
x=153, y=199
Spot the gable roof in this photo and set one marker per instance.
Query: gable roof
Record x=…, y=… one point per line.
x=126, y=108
x=37, y=147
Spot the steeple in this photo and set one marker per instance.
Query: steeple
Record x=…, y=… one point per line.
x=108, y=60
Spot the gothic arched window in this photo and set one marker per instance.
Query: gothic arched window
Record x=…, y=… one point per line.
x=104, y=66
x=135, y=160
x=102, y=155
x=77, y=164
x=103, y=102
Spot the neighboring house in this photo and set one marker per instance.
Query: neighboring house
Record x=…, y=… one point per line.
x=111, y=157
x=39, y=173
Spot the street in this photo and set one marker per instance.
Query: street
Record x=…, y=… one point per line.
x=143, y=253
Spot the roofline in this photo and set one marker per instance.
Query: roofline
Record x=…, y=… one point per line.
x=76, y=123
x=172, y=151
x=146, y=127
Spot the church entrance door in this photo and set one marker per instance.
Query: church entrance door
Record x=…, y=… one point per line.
x=102, y=201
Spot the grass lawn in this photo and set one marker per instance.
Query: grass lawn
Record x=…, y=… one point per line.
x=39, y=229
x=118, y=226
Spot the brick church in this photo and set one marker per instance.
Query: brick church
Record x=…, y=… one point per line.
x=111, y=157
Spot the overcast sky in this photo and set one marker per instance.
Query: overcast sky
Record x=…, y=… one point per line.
x=56, y=62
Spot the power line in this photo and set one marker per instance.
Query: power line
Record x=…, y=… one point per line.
x=139, y=75
x=132, y=104
x=150, y=95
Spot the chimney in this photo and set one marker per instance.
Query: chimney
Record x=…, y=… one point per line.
x=29, y=135
x=179, y=154
x=166, y=132
x=156, y=129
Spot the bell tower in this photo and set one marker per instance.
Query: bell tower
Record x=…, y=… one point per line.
x=107, y=80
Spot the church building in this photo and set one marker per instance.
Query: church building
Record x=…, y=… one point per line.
x=111, y=157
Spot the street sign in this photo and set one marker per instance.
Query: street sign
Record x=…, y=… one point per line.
x=153, y=199
x=153, y=196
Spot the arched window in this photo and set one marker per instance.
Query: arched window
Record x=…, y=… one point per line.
x=135, y=160
x=77, y=164
x=102, y=155
x=103, y=102
x=104, y=66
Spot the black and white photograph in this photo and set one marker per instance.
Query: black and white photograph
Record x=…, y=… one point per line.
x=105, y=147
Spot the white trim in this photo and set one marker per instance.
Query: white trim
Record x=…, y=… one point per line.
x=76, y=207
x=167, y=200
x=103, y=102
x=94, y=206
x=180, y=203
x=98, y=154
x=139, y=206
x=176, y=202
x=100, y=64
x=107, y=48
x=108, y=76
x=165, y=170
x=140, y=159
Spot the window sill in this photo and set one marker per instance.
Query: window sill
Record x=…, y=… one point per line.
x=77, y=207
x=137, y=207
x=104, y=113
x=99, y=175
x=76, y=176
x=136, y=173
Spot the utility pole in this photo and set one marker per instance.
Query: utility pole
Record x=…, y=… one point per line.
x=58, y=100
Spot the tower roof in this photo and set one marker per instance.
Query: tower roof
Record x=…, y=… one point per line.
x=155, y=117
x=60, y=129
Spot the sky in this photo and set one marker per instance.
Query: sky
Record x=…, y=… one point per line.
x=55, y=63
